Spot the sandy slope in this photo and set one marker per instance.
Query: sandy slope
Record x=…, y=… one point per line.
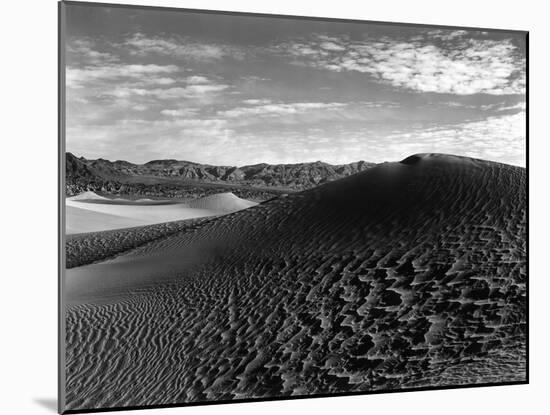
x=87, y=196
x=221, y=202
x=87, y=248
x=89, y=212
x=78, y=220
x=408, y=274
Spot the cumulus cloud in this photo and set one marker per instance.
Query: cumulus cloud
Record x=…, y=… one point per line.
x=442, y=61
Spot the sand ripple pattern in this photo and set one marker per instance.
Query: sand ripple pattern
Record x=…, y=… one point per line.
x=409, y=274
x=87, y=248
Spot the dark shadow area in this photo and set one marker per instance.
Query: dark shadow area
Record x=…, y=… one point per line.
x=411, y=160
x=48, y=403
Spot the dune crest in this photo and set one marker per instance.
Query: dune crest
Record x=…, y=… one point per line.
x=222, y=202
x=88, y=195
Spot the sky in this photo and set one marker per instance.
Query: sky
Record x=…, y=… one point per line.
x=146, y=84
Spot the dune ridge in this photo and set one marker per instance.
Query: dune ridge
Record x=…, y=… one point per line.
x=408, y=274
x=90, y=212
x=221, y=202
x=87, y=195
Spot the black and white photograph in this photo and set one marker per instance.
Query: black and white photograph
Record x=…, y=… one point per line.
x=260, y=207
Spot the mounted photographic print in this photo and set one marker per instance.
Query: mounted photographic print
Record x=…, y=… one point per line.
x=258, y=207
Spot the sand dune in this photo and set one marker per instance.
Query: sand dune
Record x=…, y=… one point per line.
x=221, y=202
x=87, y=196
x=408, y=274
x=78, y=220
x=87, y=248
x=89, y=212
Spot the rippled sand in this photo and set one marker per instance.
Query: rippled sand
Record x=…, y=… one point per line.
x=408, y=274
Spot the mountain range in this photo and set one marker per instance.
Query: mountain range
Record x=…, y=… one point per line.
x=176, y=178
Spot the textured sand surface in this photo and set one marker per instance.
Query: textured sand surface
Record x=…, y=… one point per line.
x=89, y=212
x=408, y=274
x=86, y=248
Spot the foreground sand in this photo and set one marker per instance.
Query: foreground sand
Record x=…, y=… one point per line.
x=409, y=274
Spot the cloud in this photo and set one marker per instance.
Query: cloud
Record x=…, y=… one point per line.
x=95, y=71
x=78, y=77
x=195, y=90
x=139, y=107
x=446, y=34
x=84, y=50
x=179, y=47
x=279, y=109
x=182, y=112
x=201, y=123
x=160, y=81
x=155, y=106
x=254, y=78
x=257, y=101
x=219, y=140
x=196, y=79
x=493, y=108
x=498, y=138
x=142, y=140
x=442, y=61
x=520, y=106
x=139, y=80
x=262, y=113
x=332, y=46
x=190, y=91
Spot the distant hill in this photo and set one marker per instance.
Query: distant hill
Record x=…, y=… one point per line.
x=176, y=178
